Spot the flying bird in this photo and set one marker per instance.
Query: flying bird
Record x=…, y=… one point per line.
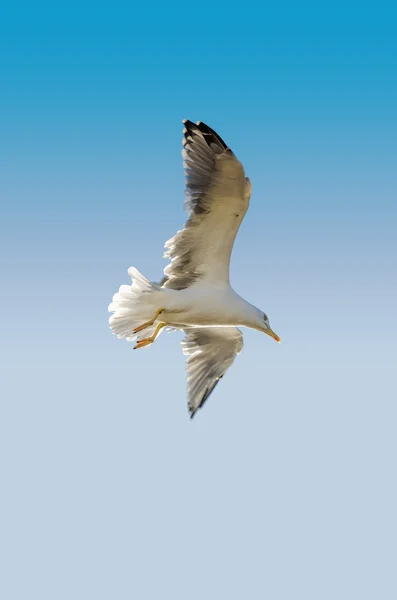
x=195, y=294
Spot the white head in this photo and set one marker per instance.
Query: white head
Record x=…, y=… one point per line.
x=264, y=325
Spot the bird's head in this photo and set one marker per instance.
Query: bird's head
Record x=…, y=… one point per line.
x=265, y=327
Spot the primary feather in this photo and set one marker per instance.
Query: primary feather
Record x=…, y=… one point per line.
x=210, y=352
x=216, y=198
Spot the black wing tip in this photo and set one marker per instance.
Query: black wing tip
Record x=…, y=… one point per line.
x=190, y=129
x=206, y=130
x=189, y=126
x=209, y=134
x=205, y=397
x=192, y=410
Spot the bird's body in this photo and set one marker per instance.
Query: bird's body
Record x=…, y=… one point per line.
x=203, y=305
x=195, y=294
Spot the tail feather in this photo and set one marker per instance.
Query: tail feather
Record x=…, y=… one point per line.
x=133, y=305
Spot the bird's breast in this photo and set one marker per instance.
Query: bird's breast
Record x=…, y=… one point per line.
x=204, y=305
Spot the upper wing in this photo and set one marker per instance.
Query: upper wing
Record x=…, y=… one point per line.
x=217, y=197
x=210, y=352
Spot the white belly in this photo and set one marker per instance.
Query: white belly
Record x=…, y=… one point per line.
x=203, y=305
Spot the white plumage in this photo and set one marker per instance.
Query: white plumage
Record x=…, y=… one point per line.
x=195, y=294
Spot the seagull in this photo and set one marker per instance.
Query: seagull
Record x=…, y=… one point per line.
x=195, y=294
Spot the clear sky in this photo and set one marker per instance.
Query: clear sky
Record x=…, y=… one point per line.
x=284, y=486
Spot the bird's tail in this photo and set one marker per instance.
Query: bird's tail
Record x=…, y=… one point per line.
x=134, y=305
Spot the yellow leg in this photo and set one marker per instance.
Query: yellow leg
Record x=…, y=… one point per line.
x=149, y=340
x=149, y=323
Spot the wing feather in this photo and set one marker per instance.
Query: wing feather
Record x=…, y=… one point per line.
x=216, y=199
x=210, y=352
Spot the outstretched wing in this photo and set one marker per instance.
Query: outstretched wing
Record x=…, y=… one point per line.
x=210, y=352
x=217, y=198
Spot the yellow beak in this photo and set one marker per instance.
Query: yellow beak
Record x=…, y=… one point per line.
x=272, y=334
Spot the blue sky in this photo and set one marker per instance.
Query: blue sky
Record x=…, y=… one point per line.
x=283, y=486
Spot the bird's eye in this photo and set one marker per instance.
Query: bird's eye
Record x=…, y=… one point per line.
x=265, y=317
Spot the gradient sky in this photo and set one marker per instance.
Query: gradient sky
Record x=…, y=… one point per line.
x=284, y=486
